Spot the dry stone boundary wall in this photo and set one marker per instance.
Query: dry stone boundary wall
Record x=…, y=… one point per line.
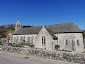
x=55, y=55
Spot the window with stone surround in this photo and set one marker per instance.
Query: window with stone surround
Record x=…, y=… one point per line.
x=17, y=38
x=73, y=42
x=66, y=42
x=32, y=40
x=28, y=39
x=77, y=42
x=73, y=45
x=21, y=39
x=43, y=40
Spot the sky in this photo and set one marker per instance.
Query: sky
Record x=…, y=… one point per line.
x=42, y=12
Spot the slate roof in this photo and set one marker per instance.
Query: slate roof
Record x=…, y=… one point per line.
x=52, y=29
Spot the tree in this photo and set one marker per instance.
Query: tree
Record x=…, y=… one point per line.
x=11, y=27
x=2, y=29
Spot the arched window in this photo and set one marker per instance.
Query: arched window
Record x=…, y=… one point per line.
x=24, y=39
x=28, y=39
x=21, y=39
x=77, y=42
x=66, y=42
x=44, y=40
x=73, y=45
x=32, y=40
x=73, y=42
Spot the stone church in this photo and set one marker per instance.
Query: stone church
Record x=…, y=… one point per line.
x=66, y=36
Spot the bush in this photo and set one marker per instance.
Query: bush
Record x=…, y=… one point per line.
x=22, y=45
x=35, y=48
x=66, y=50
x=25, y=43
x=17, y=45
x=32, y=46
x=10, y=44
x=83, y=52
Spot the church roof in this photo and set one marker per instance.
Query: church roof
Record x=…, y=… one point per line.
x=52, y=29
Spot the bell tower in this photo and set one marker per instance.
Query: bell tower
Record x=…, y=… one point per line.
x=17, y=26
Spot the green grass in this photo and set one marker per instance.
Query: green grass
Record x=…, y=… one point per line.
x=66, y=50
x=21, y=45
x=83, y=52
x=17, y=45
x=25, y=43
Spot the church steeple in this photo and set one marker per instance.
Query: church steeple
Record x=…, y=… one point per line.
x=18, y=25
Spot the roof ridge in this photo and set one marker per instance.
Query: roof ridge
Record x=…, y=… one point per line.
x=65, y=27
x=53, y=24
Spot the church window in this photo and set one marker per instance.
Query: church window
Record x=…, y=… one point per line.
x=73, y=43
x=21, y=39
x=24, y=39
x=43, y=40
x=77, y=42
x=66, y=42
x=17, y=38
x=28, y=39
x=32, y=40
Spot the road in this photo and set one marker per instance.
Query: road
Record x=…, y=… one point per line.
x=7, y=58
x=12, y=60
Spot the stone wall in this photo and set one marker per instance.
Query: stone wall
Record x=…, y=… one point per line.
x=4, y=41
x=48, y=40
x=17, y=38
x=55, y=55
x=72, y=41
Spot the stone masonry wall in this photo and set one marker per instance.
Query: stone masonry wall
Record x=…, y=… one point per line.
x=55, y=55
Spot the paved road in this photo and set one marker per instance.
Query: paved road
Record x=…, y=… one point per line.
x=8, y=58
x=13, y=60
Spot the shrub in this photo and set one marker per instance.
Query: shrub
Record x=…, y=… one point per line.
x=32, y=46
x=23, y=46
x=25, y=43
x=10, y=44
x=17, y=45
x=66, y=50
x=83, y=52
x=35, y=48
